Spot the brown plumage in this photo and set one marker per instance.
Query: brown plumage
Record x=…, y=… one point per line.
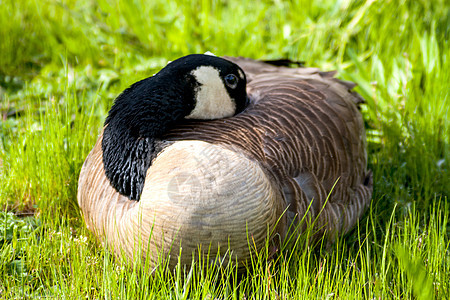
x=218, y=182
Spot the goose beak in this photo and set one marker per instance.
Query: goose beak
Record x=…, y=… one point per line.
x=247, y=101
x=244, y=107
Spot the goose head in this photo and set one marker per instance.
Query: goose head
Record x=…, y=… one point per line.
x=192, y=87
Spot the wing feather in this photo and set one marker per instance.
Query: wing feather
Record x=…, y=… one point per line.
x=305, y=129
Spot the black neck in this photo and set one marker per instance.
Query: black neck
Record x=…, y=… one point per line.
x=133, y=129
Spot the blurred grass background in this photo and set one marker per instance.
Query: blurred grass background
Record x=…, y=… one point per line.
x=62, y=63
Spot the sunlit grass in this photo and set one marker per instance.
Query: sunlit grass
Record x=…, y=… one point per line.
x=63, y=62
x=58, y=260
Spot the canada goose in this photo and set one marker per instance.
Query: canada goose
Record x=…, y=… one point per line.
x=195, y=156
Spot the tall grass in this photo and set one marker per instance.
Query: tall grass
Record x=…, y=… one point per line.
x=63, y=62
x=407, y=262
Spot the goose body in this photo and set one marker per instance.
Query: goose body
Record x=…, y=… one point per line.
x=220, y=174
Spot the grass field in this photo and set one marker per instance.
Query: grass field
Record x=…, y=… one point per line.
x=62, y=63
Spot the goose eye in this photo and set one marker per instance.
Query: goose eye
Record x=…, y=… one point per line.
x=231, y=81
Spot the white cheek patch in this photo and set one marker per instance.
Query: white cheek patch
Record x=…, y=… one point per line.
x=212, y=99
x=241, y=74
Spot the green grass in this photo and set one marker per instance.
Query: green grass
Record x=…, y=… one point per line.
x=63, y=62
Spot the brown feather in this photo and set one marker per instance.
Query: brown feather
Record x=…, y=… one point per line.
x=304, y=128
x=304, y=131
